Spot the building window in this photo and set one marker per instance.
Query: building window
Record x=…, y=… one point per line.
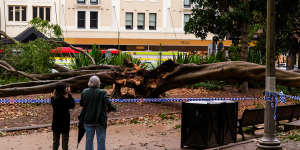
x=152, y=21
x=186, y=18
x=94, y=20
x=48, y=14
x=34, y=12
x=81, y=1
x=187, y=3
x=17, y=13
x=11, y=13
x=141, y=21
x=42, y=12
x=129, y=20
x=94, y=2
x=24, y=13
x=81, y=19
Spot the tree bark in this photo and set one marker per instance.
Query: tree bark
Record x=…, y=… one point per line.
x=8, y=37
x=9, y=68
x=244, y=51
x=290, y=61
x=298, y=61
x=169, y=75
x=77, y=82
x=60, y=68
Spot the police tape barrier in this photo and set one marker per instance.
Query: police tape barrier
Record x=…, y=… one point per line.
x=269, y=96
x=140, y=100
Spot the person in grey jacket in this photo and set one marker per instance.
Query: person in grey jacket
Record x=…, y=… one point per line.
x=96, y=104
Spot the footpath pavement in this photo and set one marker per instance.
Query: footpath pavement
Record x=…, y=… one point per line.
x=161, y=136
x=251, y=145
x=119, y=137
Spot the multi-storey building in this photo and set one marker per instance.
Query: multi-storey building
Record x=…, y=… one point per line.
x=16, y=14
x=132, y=24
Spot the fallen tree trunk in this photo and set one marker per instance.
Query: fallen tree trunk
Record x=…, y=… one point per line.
x=9, y=68
x=75, y=83
x=27, y=84
x=169, y=75
x=63, y=75
x=237, y=70
x=60, y=68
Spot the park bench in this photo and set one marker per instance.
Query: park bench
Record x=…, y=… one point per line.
x=253, y=117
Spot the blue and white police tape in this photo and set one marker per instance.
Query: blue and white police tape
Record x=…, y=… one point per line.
x=273, y=97
x=269, y=96
x=145, y=100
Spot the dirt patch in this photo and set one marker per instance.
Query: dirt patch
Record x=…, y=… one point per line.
x=18, y=115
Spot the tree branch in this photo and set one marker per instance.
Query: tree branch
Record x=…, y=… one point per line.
x=8, y=67
x=8, y=37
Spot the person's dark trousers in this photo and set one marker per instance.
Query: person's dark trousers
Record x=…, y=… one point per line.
x=56, y=138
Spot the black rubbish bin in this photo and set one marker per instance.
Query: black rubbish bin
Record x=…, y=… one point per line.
x=208, y=124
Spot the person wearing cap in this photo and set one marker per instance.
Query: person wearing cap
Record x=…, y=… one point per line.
x=61, y=102
x=96, y=104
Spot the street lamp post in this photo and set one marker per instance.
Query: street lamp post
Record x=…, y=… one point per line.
x=269, y=140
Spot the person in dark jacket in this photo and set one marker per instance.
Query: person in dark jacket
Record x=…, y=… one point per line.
x=96, y=104
x=61, y=102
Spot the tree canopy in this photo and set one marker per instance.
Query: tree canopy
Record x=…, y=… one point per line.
x=225, y=18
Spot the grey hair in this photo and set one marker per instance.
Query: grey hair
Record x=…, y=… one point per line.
x=94, y=82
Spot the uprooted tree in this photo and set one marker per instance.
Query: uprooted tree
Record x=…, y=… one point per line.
x=145, y=83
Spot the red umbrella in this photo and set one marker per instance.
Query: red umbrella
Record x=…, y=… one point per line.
x=64, y=50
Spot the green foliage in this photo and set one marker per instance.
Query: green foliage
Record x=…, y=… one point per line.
x=282, y=88
x=119, y=59
x=234, y=53
x=178, y=126
x=51, y=30
x=82, y=60
x=248, y=130
x=210, y=59
x=220, y=56
x=31, y=57
x=12, y=79
x=218, y=17
x=227, y=18
x=288, y=90
x=255, y=55
x=163, y=116
x=294, y=135
x=184, y=58
x=160, y=56
x=134, y=121
x=258, y=105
